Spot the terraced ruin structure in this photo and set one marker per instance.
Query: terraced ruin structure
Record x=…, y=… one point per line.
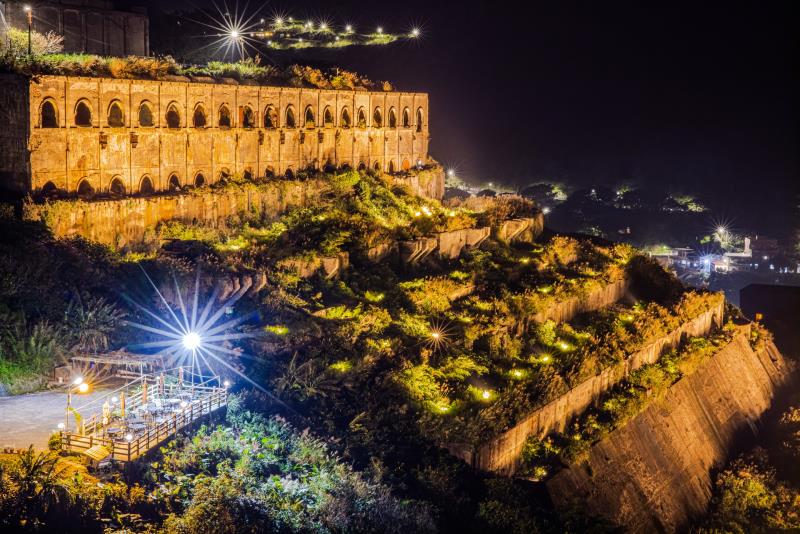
x=456, y=351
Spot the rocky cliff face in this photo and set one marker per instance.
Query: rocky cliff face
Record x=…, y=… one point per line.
x=655, y=474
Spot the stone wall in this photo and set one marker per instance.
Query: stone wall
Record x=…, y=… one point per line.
x=655, y=474
x=502, y=453
x=133, y=221
x=14, y=170
x=135, y=156
x=563, y=311
x=90, y=26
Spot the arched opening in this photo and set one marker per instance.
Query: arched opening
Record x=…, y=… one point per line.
x=224, y=117
x=117, y=188
x=377, y=166
x=392, y=118
x=174, y=183
x=406, y=165
x=199, y=117
x=248, y=118
x=362, y=166
x=419, y=120
x=49, y=189
x=289, y=174
x=377, y=118
x=173, y=117
x=199, y=180
x=247, y=175
x=406, y=118
x=362, y=118
x=85, y=189
x=83, y=114
x=145, y=115
x=269, y=172
x=224, y=174
x=327, y=118
x=345, y=167
x=270, y=118
x=345, y=122
x=290, y=120
x=115, y=117
x=329, y=167
x=309, y=118
x=146, y=186
x=49, y=116
x=391, y=167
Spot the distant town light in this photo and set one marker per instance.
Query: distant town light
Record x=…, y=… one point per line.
x=415, y=32
x=380, y=30
x=278, y=21
x=545, y=210
x=323, y=26
x=348, y=28
x=451, y=172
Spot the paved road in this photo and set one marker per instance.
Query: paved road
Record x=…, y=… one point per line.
x=30, y=419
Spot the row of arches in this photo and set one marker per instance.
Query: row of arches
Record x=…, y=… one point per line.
x=146, y=186
x=115, y=116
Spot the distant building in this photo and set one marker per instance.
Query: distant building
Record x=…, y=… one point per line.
x=88, y=26
x=765, y=248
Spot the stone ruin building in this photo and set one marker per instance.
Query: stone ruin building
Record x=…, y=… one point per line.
x=120, y=136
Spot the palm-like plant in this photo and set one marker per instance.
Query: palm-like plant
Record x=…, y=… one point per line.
x=40, y=485
x=91, y=322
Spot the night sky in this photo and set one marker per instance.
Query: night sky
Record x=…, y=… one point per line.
x=688, y=97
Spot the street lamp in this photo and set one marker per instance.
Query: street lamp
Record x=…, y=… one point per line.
x=80, y=386
x=29, y=11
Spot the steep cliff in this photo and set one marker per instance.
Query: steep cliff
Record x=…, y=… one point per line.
x=655, y=474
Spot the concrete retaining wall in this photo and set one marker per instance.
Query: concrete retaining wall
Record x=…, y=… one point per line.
x=502, y=453
x=654, y=475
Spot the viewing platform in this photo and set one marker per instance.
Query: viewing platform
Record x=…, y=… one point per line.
x=130, y=421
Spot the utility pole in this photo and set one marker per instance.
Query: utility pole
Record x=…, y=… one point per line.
x=29, y=11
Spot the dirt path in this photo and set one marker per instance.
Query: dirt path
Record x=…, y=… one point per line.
x=30, y=419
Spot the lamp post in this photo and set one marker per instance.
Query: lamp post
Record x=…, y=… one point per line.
x=82, y=387
x=29, y=11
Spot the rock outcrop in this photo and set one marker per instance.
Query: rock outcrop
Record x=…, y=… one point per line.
x=655, y=474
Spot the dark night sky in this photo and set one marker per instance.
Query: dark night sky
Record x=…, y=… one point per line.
x=697, y=97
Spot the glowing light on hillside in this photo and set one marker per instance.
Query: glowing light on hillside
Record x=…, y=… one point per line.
x=192, y=341
x=486, y=394
x=348, y=28
x=379, y=30
x=545, y=210
x=414, y=33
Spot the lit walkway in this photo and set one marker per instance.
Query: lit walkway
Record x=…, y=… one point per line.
x=30, y=419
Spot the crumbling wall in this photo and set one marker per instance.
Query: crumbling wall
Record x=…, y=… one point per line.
x=654, y=474
x=502, y=453
x=133, y=221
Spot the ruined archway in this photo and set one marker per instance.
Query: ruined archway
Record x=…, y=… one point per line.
x=377, y=118
x=48, y=115
x=146, y=186
x=85, y=189
x=362, y=118
x=419, y=120
x=290, y=121
x=248, y=117
x=145, y=115
x=345, y=122
x=49, y=189
x=270, y=118
x=269, y=172
x=117, y=187
x=391, y=167
x=289, y=174
x=83, y=114
x=173, y=117
x=199, y=180
x=406, y=118
x=392, y=118
x=199, y=117
x=174, y=183
x=224, y=120
x=327, y=118
x=115, y=117
x=310, y=121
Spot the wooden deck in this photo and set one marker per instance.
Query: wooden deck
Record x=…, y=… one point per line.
x=126, y=448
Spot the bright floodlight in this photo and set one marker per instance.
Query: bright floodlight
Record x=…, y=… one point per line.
x=78, y=381
x=27, y=8
x=415, y=32
x=84, y=387
x=348, y=28
x=380, y=29
x=451, y=172
x=721, y=229
x=278, y=21
x=191, y=341
x=234, y=34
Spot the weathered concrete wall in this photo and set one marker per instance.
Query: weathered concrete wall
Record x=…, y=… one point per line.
x=502, y=453
x=94, y=27
x=133, y=221
x=14, y=171
x=525, y=229
x=654, y=475
x=565, y=310
x=71, y=157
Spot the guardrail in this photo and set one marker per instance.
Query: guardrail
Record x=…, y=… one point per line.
x=126, y=451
